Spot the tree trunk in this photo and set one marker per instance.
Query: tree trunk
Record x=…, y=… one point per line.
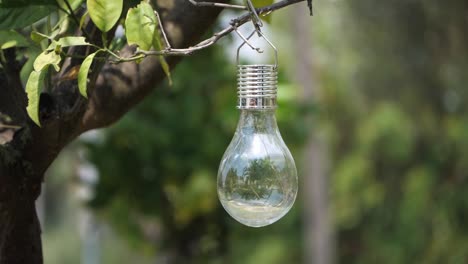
x=64, y=114
x=20, y=231
x=318, y=235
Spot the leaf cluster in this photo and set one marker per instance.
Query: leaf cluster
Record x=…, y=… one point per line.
x=51, y=26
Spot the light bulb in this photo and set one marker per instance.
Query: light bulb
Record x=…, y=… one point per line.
x=257, y=177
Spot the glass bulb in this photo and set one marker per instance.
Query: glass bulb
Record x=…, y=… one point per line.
x=257, y=178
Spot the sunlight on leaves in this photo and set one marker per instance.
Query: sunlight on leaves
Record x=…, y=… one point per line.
x=34, y=88
x=105, y=13
x=140, y=25
x=83, y=74
x=47, y=58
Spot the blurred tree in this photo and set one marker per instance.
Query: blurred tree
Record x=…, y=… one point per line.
x=318, y=229
x=395, y=108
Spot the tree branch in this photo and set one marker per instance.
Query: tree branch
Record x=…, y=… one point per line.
x=13, y=98
x=119, y=87
x=59, y=110
x=235, y=23
x=212, y=4
x=64, y=115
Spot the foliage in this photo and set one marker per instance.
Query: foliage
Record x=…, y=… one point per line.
x=46, y=35
x=140, y=25
x=58, y=21
x=23, y=16
x=393, y=80
x=52, y=25
x=34, y=89
x=105, y=13
x=83, y=74
x=11, y=38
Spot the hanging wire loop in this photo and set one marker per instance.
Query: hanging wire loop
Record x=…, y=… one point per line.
x=257, y=22
x=246, y=41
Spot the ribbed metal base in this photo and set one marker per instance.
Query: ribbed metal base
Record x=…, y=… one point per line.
x=257, y=86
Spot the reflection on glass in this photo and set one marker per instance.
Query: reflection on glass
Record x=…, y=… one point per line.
x=257, y=178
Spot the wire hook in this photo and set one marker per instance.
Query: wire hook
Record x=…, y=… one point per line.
x=257, y=22
x=246, y=41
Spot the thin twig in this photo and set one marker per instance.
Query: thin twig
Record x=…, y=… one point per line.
x=234, y=24
x=168, y=45
x=75, y=19
x=238, y=7
x=309, y=4
x=264, y=11
x=257, y=22
x=9, y=126
x=3, y=60
x=62, y=9
x=188, y=51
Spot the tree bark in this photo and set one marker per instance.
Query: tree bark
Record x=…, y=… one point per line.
x=20, y=232
x=20, y=240
x=64, y=115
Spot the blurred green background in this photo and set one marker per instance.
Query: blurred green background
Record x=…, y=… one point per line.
x=373, y=105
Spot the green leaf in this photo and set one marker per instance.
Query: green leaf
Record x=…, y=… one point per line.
x=31, y=55
x=105, y=13
x=140, y=25
x=68, y=42
x=157, y=43
x=261, y=3
x=83, y=19
x=20, y=17
x=62, y=25
x=73, y=3
x=38, y=37
x=166, y=69
x=83, y=74
x=11, y=38
x=267, y=18
x=34, y=88
x=47, y=58
x=24, y=3
x=141, y=28
x=73, y=41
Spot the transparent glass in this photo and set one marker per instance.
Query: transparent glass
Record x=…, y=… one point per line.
x=257, y=178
